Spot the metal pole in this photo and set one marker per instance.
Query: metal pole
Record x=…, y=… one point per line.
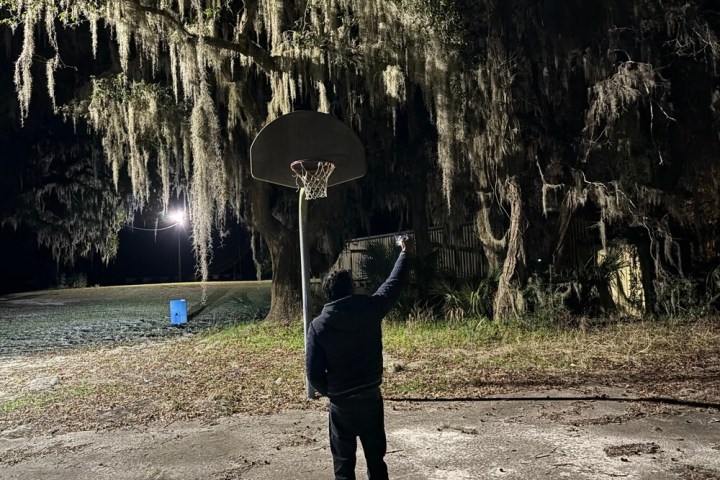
x=305, y=270
x=177, y=228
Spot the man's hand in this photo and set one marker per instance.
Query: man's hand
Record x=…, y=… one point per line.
x=406, y=244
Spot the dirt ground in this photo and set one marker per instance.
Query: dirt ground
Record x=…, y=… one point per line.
x=586, y=434
x=575, y=433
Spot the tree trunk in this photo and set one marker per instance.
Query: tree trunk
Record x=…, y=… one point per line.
x=425, y=269
x=286, y=300
x=508, y=300
x=416, y=146
x=284, y=248
x=647, y=269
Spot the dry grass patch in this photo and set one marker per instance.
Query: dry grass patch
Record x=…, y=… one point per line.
x=473, y=360
x=257, y=368
x=249, y=369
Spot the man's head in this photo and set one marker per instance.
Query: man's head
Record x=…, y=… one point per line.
x=338, y=284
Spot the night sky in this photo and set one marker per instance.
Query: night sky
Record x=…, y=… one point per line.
x=142, y=257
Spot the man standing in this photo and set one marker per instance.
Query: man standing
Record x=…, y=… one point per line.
x=344, y=362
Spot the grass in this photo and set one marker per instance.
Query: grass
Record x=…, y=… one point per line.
x=149, y=301
x=258, y=337
x=251, y=366
x=46, y=399
x=514, y=346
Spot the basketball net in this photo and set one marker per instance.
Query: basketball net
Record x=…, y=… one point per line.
x=314, y=177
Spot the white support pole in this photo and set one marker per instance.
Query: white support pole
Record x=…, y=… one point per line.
x=305, y=269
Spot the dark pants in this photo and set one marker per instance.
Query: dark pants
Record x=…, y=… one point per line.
x=358, y=417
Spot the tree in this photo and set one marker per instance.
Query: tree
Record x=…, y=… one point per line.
x=543, y=114
x=183, y=68
x=564, y=112
x=69, y=205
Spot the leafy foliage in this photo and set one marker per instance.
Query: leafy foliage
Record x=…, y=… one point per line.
x=682, y=297
x=468, y=299
x=70, y=205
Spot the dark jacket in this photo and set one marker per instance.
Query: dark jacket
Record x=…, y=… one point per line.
x=344, y=343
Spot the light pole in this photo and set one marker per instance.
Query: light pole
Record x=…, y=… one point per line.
x=178, y=217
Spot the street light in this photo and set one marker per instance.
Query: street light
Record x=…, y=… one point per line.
x=178, y=216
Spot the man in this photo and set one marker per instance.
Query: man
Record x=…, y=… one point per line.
x=344, y=362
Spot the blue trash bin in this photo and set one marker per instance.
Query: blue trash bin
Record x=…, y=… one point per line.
x=178, y=311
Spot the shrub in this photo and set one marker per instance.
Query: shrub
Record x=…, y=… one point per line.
x=467, y=298
x=679, y=296
x=72, y=280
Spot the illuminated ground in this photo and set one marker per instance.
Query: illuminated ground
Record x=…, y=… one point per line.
x=520, y=439
x=599, y=425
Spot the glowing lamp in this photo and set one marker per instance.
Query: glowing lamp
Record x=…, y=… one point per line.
x=178, y=217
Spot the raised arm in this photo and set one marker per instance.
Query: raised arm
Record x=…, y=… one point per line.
x=389, y=292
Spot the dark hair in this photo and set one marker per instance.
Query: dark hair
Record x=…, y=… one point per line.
x=337, y=284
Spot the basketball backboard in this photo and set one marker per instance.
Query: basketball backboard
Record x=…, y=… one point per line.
x=306, y=135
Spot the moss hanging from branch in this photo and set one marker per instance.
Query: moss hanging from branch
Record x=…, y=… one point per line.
x=632, y=84
x=23, y=76
x=690, y=34
x=334, y=35
x=208, y=195
x=515, y=94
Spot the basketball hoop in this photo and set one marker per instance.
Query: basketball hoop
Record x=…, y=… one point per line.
x=314, y=175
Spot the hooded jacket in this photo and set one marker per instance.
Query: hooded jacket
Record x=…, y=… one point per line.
x=344, y=343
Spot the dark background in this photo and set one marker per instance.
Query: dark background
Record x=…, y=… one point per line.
x=143, y=257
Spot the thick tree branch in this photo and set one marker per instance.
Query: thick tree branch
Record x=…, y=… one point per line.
x=244, y=46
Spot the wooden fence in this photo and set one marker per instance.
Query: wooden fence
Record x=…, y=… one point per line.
x=459, y=252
